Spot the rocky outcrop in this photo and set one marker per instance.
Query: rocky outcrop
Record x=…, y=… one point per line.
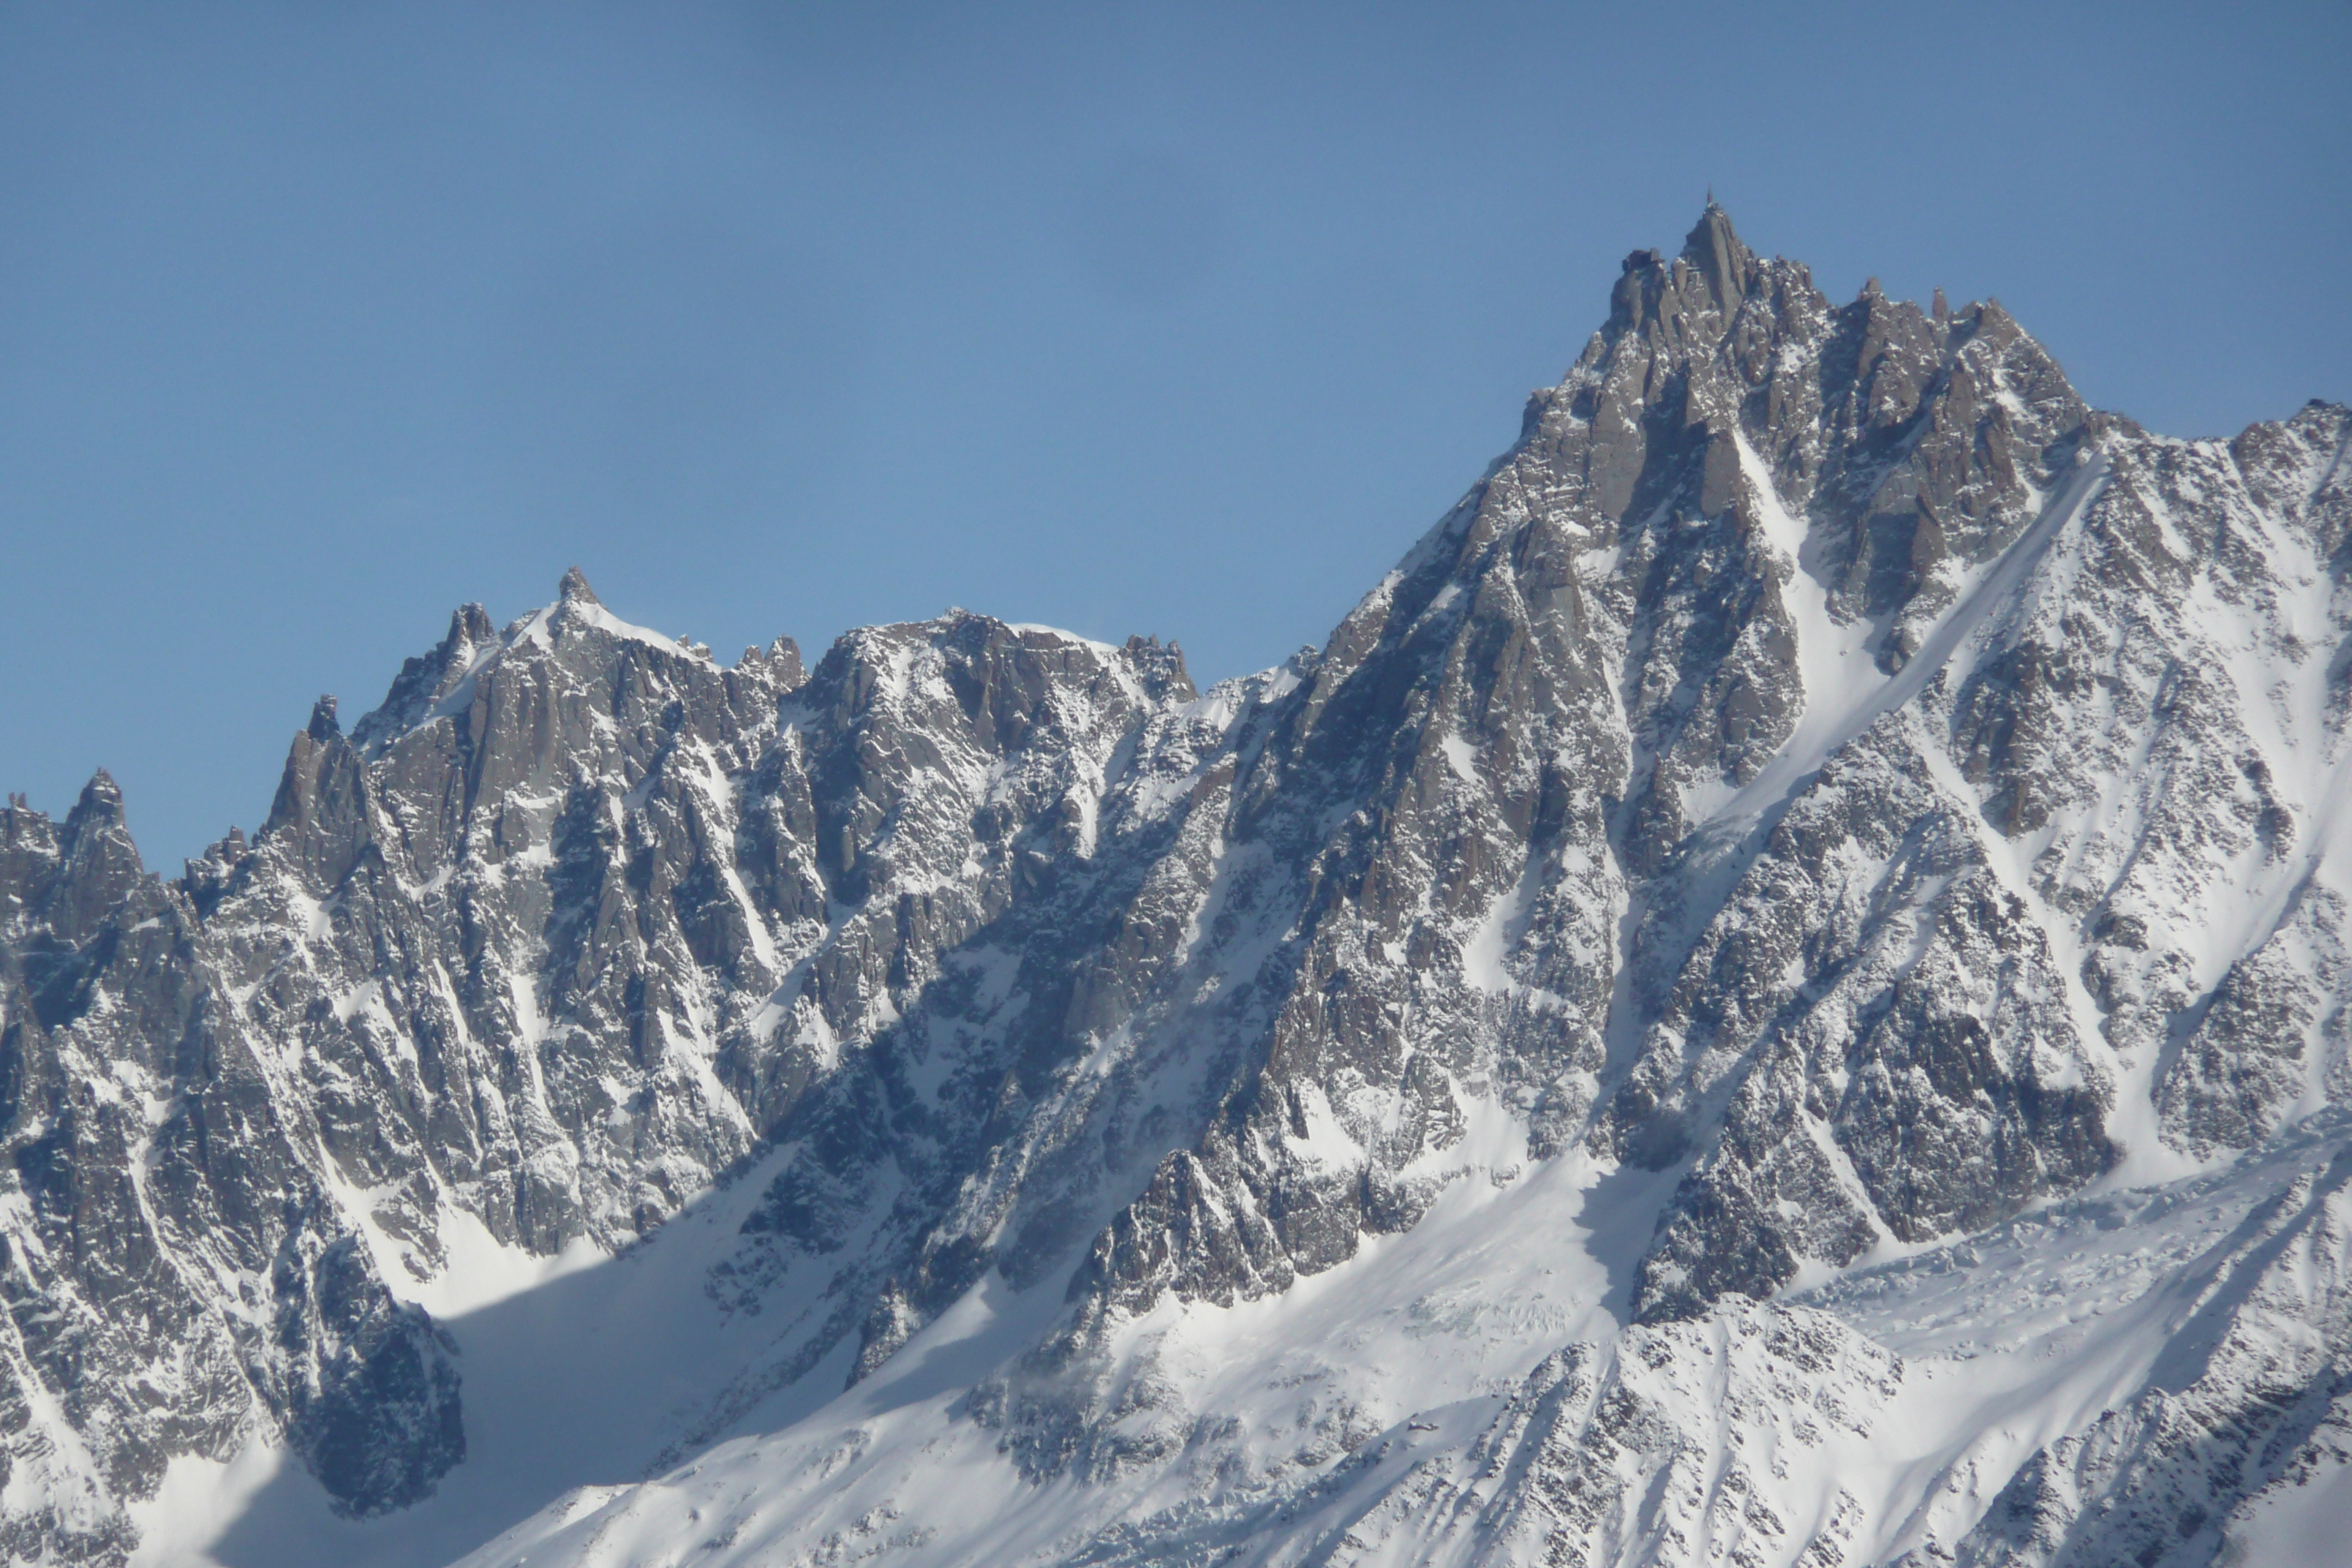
x=177, y=1272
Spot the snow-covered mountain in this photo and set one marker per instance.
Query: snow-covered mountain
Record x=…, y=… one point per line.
x=1775, y=994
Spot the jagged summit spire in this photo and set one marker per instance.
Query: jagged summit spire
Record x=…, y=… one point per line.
x=1711, y=218
x=1715, y=251
x=574, y=588
x=102, y=799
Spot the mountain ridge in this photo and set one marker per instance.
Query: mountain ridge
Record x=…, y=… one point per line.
x=1825, y=794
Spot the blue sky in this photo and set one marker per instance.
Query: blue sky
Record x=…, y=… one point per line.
x=317, y=321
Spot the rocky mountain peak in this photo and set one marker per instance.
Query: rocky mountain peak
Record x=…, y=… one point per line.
x=428, y=678
x=1716, y=252
x=574, y=589
x=98, y=808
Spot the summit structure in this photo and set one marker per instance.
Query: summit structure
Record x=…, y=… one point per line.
x=1775, y=994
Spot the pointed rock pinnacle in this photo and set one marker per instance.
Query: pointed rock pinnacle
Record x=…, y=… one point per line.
x=1715, y=251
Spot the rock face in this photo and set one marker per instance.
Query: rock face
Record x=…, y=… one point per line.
x=178, y=1269
x=1825, y=793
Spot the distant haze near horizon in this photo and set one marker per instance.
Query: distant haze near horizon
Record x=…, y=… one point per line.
x=1182, y=322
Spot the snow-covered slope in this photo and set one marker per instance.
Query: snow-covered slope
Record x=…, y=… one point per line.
x=1775, y=994
x=1464, y=1393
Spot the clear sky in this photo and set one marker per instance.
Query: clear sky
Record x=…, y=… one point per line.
x=317, y=320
